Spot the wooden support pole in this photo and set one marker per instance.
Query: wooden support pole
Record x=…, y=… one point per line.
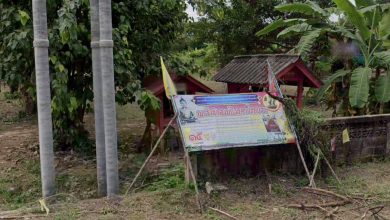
x=191, y=172
x=301, y=156
x=193, y=161
x=331, y=169
x=387, y=146
x=312, y=183
x=151, y=154
x=300, y=94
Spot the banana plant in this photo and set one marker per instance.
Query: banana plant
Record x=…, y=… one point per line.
x=366, y=24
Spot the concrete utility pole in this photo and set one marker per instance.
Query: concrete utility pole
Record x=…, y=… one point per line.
x=41, y=45
x=107, y=67
x=98, y=100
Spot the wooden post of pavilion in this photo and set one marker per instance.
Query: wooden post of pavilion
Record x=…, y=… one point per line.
x=300, y=93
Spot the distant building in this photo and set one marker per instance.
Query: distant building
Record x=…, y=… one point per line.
x=248, y=73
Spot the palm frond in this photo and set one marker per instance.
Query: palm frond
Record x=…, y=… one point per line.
x=308, y=8
x=382, y=58
x=307, y=41
x=359, y=87
x=344, y=32
x=278, y=24
x=371, y=8
x=294, y=29
x=354, y=16
x=363, y=3
x=328, y=82
x=382, y=88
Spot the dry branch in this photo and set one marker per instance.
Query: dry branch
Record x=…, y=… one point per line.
x=24, y=216
x=223, y=213
x=330, y=214
x=325, y=192
x=315, y=206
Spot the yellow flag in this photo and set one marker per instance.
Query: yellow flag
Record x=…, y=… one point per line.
x=345, y=136
x=170, y=89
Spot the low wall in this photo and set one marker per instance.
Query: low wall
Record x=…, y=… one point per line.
x=369, y=137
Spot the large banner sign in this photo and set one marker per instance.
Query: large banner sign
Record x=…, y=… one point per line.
x=234, y=120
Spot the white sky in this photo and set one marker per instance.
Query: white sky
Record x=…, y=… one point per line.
x=193, y=14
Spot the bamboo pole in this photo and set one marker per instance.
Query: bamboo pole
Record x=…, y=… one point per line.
x=189, y=164
x=312, y=183
x=291, y=126
x=151, y=154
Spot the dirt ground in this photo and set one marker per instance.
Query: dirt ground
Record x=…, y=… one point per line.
x=161, y=192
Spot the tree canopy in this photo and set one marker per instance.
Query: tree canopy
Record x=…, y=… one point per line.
x=143, y=30
x=359, y=36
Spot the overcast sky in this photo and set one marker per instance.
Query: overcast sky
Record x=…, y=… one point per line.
x=193, y=14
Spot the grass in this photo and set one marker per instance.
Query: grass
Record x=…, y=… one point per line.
x=369, y=180
x=20, y=185
x=165, y=195
x=161, y=192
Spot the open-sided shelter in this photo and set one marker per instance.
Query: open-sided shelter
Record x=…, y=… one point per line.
x=248, y=73
x=185, y=85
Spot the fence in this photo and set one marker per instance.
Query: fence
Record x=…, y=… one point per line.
x=369, y=137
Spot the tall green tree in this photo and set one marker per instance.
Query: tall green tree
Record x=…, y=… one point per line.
x=41, y=45
x=229, y=26
x=142, y=31
x=16, y=50
x=365, y=25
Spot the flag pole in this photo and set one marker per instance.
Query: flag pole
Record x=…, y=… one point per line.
x=271, y=73
x=170, y=92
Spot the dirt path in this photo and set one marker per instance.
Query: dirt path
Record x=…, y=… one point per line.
x=162, y=194
x=17, y=143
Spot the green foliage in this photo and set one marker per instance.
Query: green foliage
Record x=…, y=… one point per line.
x=382, y=58
x=168, y=179
x=365, y=26
x=278, y=24
x=354, y=16
x=382, y=88
x=148, y=102
x=307, y=8
x=20, y=184
x=307, y=126
x=231, y=25
x=294, y=29
x=11, y=96
x=307, y=41
x=359, y=89
x=16, y=49
x=329, y=81
x=142, y=31
x=271, y=27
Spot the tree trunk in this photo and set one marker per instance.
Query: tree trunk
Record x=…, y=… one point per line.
x=28, y=101
x=107, y=67
x=98, y=100
x=41, y=45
